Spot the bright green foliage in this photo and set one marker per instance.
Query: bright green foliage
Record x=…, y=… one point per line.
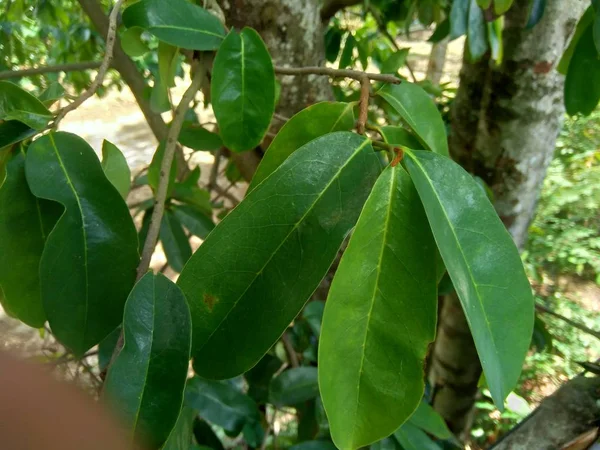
x=115, y=168
x=243, y=89
x=89, y=260
x=419, y=112
x=379, y=317
x=145, y=383
x=17, y=104
x=482, y=262
x=411, y=437
x=174, y=241
x=25, y=223
x=197, y=137
x=221, y=404
x=310, y=123
x=501, y=6
x=484, y=4
x=168, y=58
x=132, y=42
x=177, y=22
x=427, y=419
x=582, y=85
x=294, y=386
x=297, y=226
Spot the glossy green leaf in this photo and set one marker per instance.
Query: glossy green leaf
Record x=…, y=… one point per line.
x=459, y=18
x=399, y=136
x=333, y=42
x=177, y=22
x=243, y=90
x=313, y=314
x=181, y=435
x=412, y=438
x=51, y=94
x=20, y=105
x=429, y=420
x=197, y=137
x=294, y=386
x=221, y=404
x=419, y=112
x=476, y=32
x=13, y=131
x=132, y=42
x=275, y=261
x=106, y=348
x=205, y=436
x=482, y=262
x=167, y=64
x=441, y=32
x=587, y=19
x=145, y=384
x=89, y=261
x=195, y=220
x=582, y=85
x=347, y=53
x=314, y=445
x=395, y=61
x=536, y=12
x=310, y=123
x=502, y=6
x=174, y=241
x=154, y=170
x=115, y=168
x=25, y=223
x=370, y=355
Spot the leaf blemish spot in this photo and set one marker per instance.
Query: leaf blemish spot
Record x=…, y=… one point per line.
x=210, y=301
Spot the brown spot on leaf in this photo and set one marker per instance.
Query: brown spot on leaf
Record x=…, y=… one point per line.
x=210, y=301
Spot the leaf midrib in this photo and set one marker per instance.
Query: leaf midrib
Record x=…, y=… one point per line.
x=195, y=30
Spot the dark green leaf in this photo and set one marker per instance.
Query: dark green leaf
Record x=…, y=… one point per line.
x=174, y=241
x=347, y=53
x=259, y=377
x=412, y=438
x=132, y=43
x=314, y=445
x=333, y=42
x=106, y=348
x=313, y=314
x=189, y=192
x=597, y=28
x=430, y=421
x=181, y=435
x=541, y=339
x=154, y=170
x=205, y=436
x=198, y=138
x=89, y=261
x=145, y=383
x=399, y=136
x=459, y=18
x=243, y=90
x=308, y=124
x=25, y=223
x=221, y=404
x=582, y=85
x=389, y=443
x=13, y=131
x=308, y=426
x=177, y=22
x=420, y=113
x=294, y=386
x=483, y=263
x=536, y=12
x=298, y=224
x=115, y=168
x=476, y=32
x=20, y=105
x=253, y=434
x=587, y=19
x=395, y=61
x=441, y=32
x=196, y=221
x=167, y=64
x=370, y=356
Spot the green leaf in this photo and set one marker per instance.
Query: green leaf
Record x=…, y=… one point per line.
x=347, y=53
x=181, y=435
x=259, y=377
x=115, y=168
x=294, y=386
x=395, y=61
x=89, y=261
x=313, y=314
x=198, y=138
x=177, y=22
x=20, y=105
x=459, y=18
x=146, y=382
x=221, y=404
x=189, y=192
x=159, y=98
x=428, y=419
x=587, y=19
x=333, y=42
x=52, y=93
x=476, y=32
x=310, y=123
x=371, y=377
x=253, y=434
x=441, y=32
x=389, y=443
x=399, y=136
x=582, y=85
x=536, y=12
x=167, y=64
x=419, y=112
x=298, y=224
x=25, y=223
x=154, y=170
x=502, y=6
x=132, y=43
x=494, y=34
x=597, y=27
x=174, y=241
x=482, y=262
x=243, y=90
x=412, y=438
x=106, y=348
x=314, y=445
x=13, y=131
x=196, y=221
x=205, y=436
x=484, y=4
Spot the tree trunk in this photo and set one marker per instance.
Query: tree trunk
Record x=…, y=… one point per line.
x=505, y=121
x=437, y=60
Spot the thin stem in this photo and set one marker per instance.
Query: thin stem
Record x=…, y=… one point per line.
x=363, y=111
x=574, y=324
x=281, y=117
x=337, y=73
x=214, y=170
x=73, y=67
x=289, y=350
x=108, y=56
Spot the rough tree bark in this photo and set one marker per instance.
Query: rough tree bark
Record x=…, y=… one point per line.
x=437, y=60
x=505, y=121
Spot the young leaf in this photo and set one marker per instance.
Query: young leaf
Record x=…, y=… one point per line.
x=482, y=262
x=198, y=138
x=502, y=6
x=174, y=241
x=196, y=221
x=370, y=353
x=399, y=136
x=412, y=438
x=222, y=404
x=477, y=32
x=176, y=22
x=181, y=435
x=429, y=420
x=582, y=85
x=132, y=43
x=115, y=168
x=146, y=382
x=89, y=261
x=300, y=216
x=243, y=89
x=308, y=124
x=459, y=17
x=25, y=223
x=20, y=105
x=294, y=386
x=419, y=112
x=167, y=64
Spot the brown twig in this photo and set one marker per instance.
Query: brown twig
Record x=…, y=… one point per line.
x=108, y=56
x=289, y=350
x=281, y=117
x=337, y=73
x=214, y=171
x=73, y=67
x=363, y=111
